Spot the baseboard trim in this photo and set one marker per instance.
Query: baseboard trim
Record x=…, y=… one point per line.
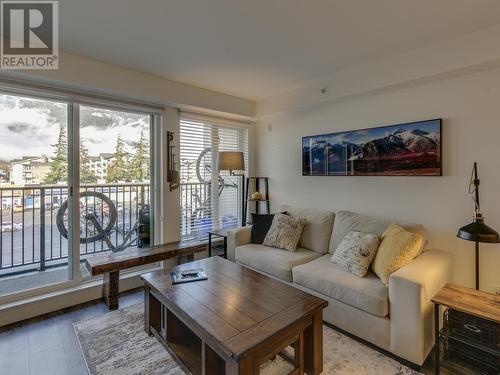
x=62, y=311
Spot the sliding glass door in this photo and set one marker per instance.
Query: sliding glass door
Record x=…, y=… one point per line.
x=74, y=181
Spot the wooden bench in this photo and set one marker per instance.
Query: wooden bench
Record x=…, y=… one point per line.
x=109, y=264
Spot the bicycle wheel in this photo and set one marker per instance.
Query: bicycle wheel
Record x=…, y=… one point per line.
x=101, y=206
x=204, y=166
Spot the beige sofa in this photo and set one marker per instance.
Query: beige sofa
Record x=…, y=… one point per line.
x=397, y=318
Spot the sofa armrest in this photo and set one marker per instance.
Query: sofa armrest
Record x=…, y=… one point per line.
x=411, y=289
x=237, y=237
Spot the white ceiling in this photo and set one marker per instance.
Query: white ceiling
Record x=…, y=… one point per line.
x=258, y=48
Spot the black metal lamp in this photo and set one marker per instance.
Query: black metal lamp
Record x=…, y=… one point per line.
x=477, y=231
x=234, y=161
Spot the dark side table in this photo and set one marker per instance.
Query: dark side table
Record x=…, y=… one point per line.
x=219, y=249
x=472, y=325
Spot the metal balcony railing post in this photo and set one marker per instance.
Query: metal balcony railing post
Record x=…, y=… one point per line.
x=42, y=228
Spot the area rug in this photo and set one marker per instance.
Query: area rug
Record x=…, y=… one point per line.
x=116, y=344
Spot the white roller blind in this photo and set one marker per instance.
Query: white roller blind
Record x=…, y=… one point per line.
x=209, y=199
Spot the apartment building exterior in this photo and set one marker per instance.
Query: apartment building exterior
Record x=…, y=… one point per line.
x=99, y=164
x=29, y=170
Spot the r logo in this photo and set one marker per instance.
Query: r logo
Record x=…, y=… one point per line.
x=29, y=29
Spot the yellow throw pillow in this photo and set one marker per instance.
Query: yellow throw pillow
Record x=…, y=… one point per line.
x=397, y=249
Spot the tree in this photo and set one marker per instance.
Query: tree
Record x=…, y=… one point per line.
x=87, y=175
x=118, y=169
x=59, y=162
x=140, y=161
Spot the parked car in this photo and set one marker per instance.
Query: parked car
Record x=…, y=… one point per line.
x=11, y=227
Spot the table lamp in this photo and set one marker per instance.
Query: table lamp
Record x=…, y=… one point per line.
x=477, y=231
x=234, y=161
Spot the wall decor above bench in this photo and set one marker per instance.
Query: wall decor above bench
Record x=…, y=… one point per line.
x=411, y=149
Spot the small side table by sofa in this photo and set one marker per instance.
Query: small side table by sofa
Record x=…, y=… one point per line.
x=478, y=326
x=221, y=249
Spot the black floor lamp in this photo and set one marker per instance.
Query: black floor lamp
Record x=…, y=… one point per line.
x=234, y=161
x=477, y=231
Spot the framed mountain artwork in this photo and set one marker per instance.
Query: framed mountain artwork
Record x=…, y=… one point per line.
x=412, y=149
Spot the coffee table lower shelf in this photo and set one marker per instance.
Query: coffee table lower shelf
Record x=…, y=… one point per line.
x=185, y=347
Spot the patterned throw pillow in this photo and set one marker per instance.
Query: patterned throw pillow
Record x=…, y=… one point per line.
x=260, y=226
x=356, y=252
x=285, y=232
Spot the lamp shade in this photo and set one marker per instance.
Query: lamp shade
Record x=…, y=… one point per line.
x=231, y=161
x=478, y=231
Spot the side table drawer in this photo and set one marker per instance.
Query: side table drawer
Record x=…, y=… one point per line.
x=473, y=329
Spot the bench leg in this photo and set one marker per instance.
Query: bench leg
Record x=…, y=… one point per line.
x=111, y=287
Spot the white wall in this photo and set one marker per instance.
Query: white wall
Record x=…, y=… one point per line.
x=464, y=54
x=470, y=108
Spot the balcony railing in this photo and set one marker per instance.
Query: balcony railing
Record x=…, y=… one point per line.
x=197, y=217
x=31, y=241
x=29, y=237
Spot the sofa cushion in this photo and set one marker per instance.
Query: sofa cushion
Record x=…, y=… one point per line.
x=321, y=275
x=318, y=229
x=346, y=221
x=276, y=262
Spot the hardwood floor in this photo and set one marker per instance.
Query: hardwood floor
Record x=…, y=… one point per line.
x=49, y=346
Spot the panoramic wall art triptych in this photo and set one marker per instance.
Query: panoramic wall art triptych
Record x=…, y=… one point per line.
x=412, y=149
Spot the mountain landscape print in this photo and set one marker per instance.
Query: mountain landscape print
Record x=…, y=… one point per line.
x=412, y=149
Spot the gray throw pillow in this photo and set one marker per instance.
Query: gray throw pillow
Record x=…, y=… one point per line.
x=356, y=251
x=285, y=232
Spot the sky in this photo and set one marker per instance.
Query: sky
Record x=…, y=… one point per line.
x=28, y=127
x=362, y=136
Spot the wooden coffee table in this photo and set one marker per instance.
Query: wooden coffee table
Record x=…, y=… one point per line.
x=234, y=321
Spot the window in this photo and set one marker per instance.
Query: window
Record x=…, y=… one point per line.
x=40, y=141
x=209, y=199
